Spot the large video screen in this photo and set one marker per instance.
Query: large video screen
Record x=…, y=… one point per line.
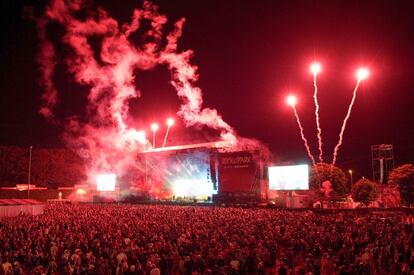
x=182, y=174
x=190, y=175
x=293, y=177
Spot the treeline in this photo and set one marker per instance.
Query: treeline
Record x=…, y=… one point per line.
x=50, y=168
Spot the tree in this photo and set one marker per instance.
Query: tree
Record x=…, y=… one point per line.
x=390, y=195
x=14, y=163
x=49, y=167
x=57, y=167
x=403, y=177
x=324, y=176
x=364, y=191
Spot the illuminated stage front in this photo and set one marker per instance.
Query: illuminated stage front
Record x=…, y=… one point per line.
x=180, y=174
x=201, y=172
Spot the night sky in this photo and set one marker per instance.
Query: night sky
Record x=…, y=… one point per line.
x=250, y=55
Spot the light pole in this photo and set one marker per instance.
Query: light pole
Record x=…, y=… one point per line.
x=350, y=173
x=30, y=169
x=170, y=122
x=154, y=128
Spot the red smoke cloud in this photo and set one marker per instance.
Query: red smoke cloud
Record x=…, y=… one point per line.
x=106, y=139
x=46, y=60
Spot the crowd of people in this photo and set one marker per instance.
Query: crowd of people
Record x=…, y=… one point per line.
x=144, y=239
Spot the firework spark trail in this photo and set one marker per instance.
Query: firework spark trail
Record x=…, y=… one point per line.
x=302, y=135
x=105, y=138
x=318, y=126
x=335, y=153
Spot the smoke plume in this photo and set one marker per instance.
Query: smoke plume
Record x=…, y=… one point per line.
x=105, y=139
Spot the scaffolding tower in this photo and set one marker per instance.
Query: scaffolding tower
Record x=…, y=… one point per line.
x=382, y=161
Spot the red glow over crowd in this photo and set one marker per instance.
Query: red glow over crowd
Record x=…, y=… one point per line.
x=128, y=239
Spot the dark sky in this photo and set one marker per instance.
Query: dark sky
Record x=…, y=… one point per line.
x=250, y=54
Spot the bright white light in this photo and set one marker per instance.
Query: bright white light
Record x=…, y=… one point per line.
x=154, y=127
x=141, y=137
x=315, y=68
x=291, y=100
x=81, y=191
x=170, y=122
x=106, y=182
x=294, y=177
x=192, y=188
x=362, y=73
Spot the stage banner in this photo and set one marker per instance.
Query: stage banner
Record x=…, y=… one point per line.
x=238, y=172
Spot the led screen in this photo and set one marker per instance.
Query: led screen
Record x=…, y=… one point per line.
x=294, y=177
x=189, y=175
x=106, y=182
x=181, y=174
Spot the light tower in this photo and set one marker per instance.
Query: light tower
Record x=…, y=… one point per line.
x=382, y=161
